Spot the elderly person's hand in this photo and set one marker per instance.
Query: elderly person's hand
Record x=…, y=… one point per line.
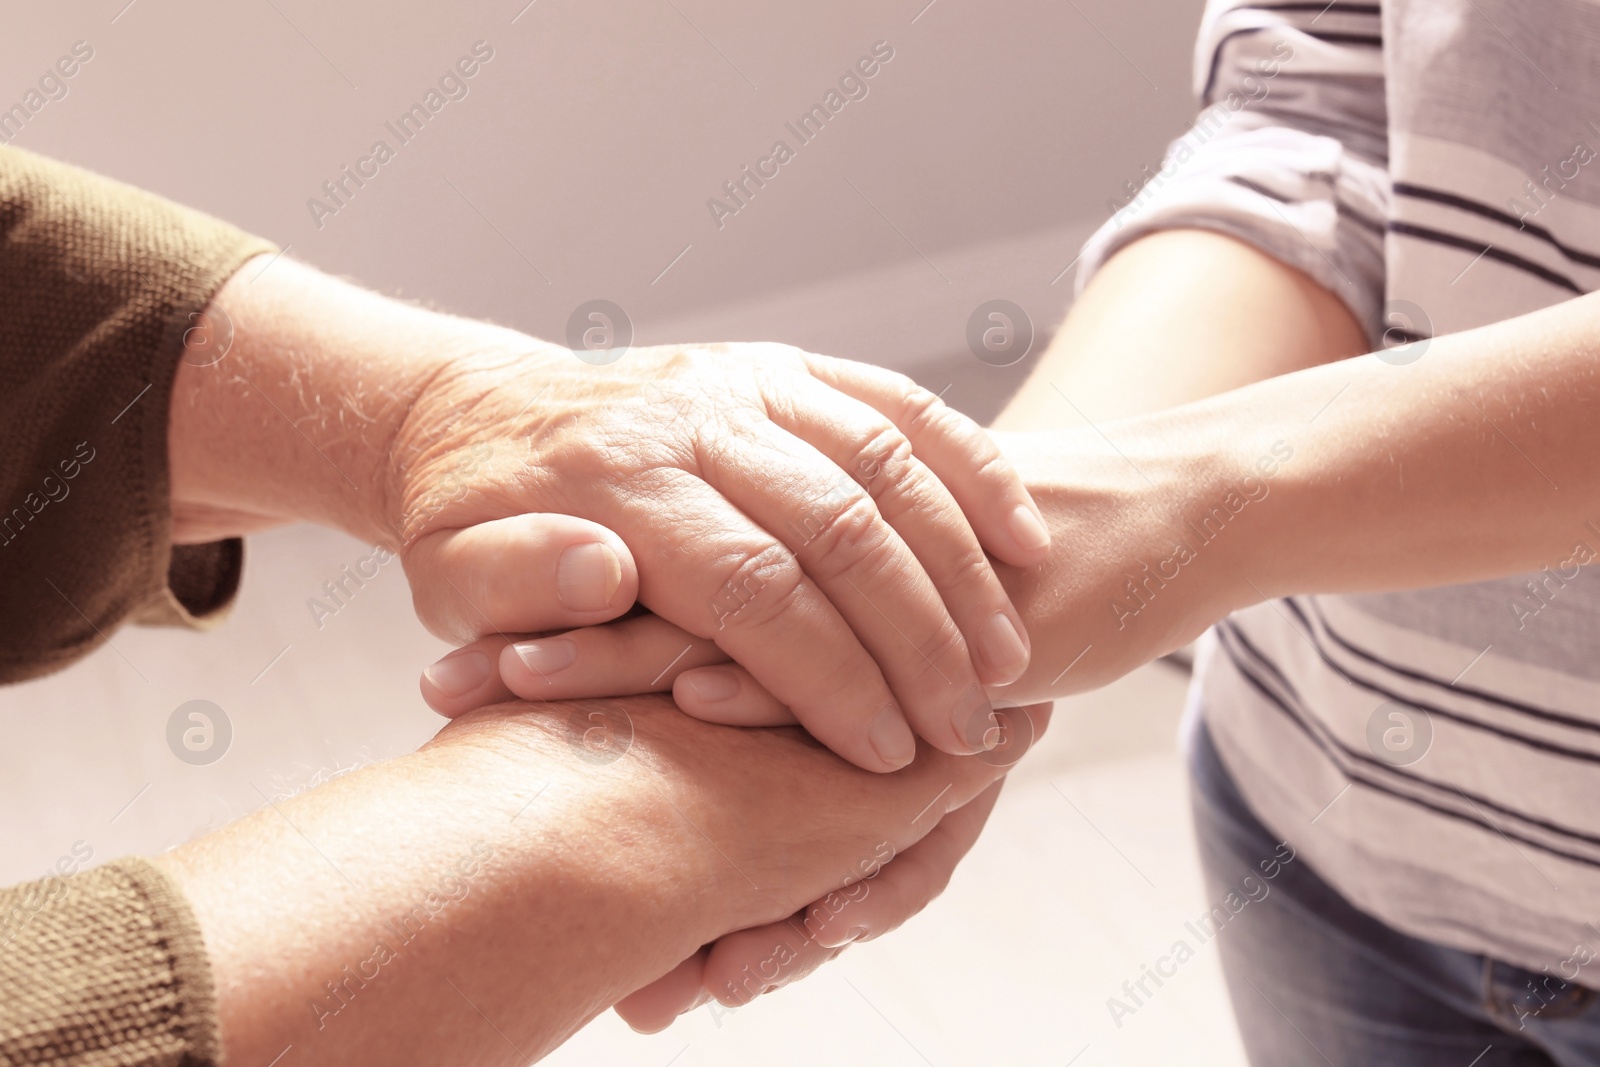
x=746, y=963
x=738, y=967
x=774, y=501
x=479, y=900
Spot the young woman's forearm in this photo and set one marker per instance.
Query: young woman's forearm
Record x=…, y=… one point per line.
x=1466, y=457
x=1174, y=317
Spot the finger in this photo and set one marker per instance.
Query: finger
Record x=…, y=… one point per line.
x=983, y=482
x=743, y=965
x=520, y=574
x=747, y=963
x=653, y=1008
x=914, y=878
x=726, y=578
x=870, y=575
x=644, y=654
x=872, y=450
x=728, y=694
x=467, y=678
x=949, y=782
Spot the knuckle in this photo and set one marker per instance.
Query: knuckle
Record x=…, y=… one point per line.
x=778, y=354
x=923, y=412
x=893, y=380
x=991, y=464
x=912, y=489
x=970, y=570
x=883, y=459
x=428, y=600
x=945, y=644
x=760, y=587
x=852, y=539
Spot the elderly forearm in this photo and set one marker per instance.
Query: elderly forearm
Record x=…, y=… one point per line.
x=291, y=391
x=479, y=900
x=474, y=902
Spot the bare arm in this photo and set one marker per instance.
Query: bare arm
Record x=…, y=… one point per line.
x=1146, y=335
x=1174, y=317
x=1471, y=462
x=479, y=900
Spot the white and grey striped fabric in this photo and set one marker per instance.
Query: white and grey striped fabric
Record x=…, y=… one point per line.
x=1435, y=163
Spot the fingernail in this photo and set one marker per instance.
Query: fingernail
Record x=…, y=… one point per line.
x=855, y=934
x=587, y=577
x=993, y=733
x=976, y=724
x=1002, y=647
x=546, y=657
x=891, y=738
x=1027, y=528
x=712, y=686
x=458, y=673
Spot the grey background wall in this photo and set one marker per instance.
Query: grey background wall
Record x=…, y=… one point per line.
x=579, y=163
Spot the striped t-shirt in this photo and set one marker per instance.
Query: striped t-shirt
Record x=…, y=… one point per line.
x=1434, y=754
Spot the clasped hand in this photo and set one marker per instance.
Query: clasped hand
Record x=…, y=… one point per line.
x=823, y=524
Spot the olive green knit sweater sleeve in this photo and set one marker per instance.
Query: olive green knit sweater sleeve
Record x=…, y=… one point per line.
x=104, y=968
x=99, y=283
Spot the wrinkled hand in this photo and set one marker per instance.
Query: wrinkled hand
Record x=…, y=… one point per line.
x=741, y=966
x=1161, y=547
x=775, y=502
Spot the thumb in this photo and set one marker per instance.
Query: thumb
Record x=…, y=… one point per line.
x=523, y=574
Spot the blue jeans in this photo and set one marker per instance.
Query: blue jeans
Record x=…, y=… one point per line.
x=1315, y=981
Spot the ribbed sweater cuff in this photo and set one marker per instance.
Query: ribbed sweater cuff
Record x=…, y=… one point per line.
x=104, y=968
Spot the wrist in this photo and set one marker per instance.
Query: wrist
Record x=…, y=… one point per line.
x=1159, y=521
x=290, y=391
x=435, y=454
x=1229, y=499
x=609, y=802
